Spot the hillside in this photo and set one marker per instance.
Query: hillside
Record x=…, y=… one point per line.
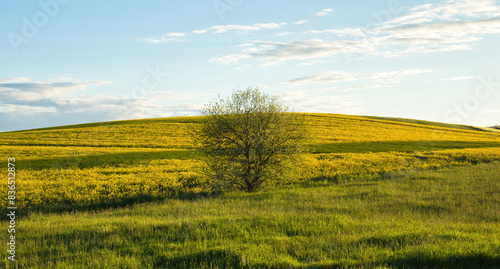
x=327, y=129
x=99, y=164
x=370, y=193
x=433, y=123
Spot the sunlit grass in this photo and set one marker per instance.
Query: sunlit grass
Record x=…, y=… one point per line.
x=372, y=193
x=446, y=218
x=116, y=163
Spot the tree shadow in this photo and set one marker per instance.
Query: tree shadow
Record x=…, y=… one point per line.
x=398, y=146
x=103, y=160
x=419, y=260
x=216, y=258
x=96, y=206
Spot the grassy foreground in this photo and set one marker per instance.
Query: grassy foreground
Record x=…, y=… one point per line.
x=446, y=218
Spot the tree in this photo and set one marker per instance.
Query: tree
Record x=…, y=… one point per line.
x=250, y=140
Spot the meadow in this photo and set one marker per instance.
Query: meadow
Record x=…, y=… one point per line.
x=372, y=192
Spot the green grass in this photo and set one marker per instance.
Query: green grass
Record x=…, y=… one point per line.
x=448, y=218
x=433, y=123
x=399, y=146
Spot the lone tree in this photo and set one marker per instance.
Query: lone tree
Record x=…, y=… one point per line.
x=250, y=140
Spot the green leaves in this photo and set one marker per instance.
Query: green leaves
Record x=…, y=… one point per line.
x=248, y=137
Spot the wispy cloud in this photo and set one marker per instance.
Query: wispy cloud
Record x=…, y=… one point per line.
x=451, y=10
x=490, y=111
x=333, y=76
x=459, y=78
x=217, y=29
x=38, y=101
x=229, y=59
x=220, y=29
x=358, y=87
x=454, y=25
x=200, y=31
x=309, y=63
x=321, y=101
x=300, y=22
x=377, y=78
x=299, y=50
x=444, y=32
x=25, y=109
x=324, y=12
x=22, y=89
x=284, y=34
x=164, y=38
x=173, y=96
x=356, y=32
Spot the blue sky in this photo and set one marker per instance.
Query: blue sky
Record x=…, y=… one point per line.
x=67, y=61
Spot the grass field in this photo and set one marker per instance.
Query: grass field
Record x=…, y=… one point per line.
x=440, y=219
x=373, y=192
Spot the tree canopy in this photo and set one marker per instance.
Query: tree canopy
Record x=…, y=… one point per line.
x=250, y=140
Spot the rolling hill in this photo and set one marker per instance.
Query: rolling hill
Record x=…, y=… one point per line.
x=112, y=162
x=372, y=192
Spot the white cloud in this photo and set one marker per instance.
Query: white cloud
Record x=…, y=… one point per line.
x=174, y=35
x=219, y=29
x=356, y=32
x=333, y=76
x=357, y=87
x=458, y=78
x=491, y=111
x=229, y=59
x=318, y=101
x=188, y=109
x=324, y=12
x=393, y=77
x=454, y=25
x=284, y=34
x=25, y=109
x=300, y=22
x=309, y=63
x=452, y=10
x=22, y=89
x=172, y=96
x=164, y=38
x=199, y=31
x=309, y=49
x=40, y=102
x=301, y=50
x=380, y=79
x=444, y=32
x=450, y=26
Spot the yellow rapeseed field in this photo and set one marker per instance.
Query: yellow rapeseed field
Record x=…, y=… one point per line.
x=96, y=164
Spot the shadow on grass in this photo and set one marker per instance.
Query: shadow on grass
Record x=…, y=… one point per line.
x=229, y=259
x=66, y=208
x=110, y=204
x=103, y=160
x=420, y=260
x=117, y=123
x=205, y=259
x=400, y=146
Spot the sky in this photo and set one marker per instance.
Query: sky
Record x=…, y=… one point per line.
x=67, y=62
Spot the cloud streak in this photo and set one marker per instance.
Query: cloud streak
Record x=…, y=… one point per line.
x=454, y=25
x=380, y=79
x=37, y=102
x=22, y=89
x=324, y=12
x=164, y=38
x=318, y=101
x=217, y=29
